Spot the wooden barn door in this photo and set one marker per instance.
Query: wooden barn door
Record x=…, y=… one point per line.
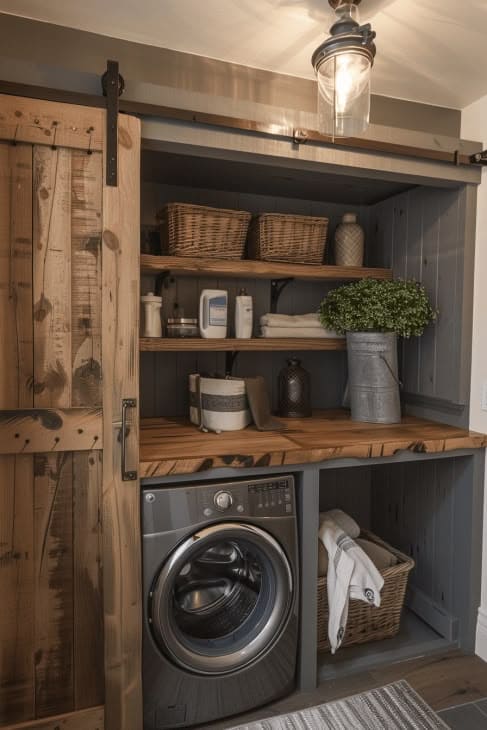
x=69, y=532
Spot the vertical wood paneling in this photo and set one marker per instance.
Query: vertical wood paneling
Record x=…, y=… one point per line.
x=52, y=276
x=53, y=487
x=88, y=580
x=16, y=477
x=53, y=535
x=86, y=224
x=431, y=251
x=121, y=508
x=414, y=270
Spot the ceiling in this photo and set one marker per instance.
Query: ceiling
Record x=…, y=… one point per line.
x=431, y=51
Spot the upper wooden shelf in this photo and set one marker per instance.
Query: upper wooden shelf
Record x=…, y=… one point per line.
x=175, y=446
x=246, y=269
x=256, y=344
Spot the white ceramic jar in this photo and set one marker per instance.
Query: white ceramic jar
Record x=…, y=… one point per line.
x=349, y=242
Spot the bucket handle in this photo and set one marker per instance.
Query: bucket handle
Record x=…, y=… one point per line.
x=399, y=382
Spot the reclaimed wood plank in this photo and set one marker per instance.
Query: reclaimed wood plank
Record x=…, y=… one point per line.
x=86, y=224
x=91, y=719
x=47, y=122
x=16, y=587
x=256, y=344
x=16, y=472
x=86, y=313
x=53, y=535
x=34, y=430
x=52, y=277
x=88, y=580
x=121, y=508
x=174, y=446
x=191, y=266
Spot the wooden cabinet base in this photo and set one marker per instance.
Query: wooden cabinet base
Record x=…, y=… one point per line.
x=92, y=719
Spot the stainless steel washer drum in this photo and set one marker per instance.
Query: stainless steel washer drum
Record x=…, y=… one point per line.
x=214, y=615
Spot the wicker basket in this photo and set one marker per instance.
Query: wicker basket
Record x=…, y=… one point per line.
x=365, y=622
x=297, y=239
x=197, y=230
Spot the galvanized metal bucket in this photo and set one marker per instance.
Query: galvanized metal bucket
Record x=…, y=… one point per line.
x=373, y=378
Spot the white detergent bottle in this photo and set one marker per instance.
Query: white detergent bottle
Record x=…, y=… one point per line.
x=213, y=313
x=243, y=315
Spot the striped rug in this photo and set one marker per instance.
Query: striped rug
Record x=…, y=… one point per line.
x=394, y=707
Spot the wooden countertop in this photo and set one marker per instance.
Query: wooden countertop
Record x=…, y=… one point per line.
x=174, y=446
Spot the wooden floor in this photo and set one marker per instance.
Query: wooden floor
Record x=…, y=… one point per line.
x=444, y=681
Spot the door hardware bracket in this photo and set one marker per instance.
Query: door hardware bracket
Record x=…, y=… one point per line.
x=300, y=136
x=277, y=287
x=479, y=158
x=113, y=85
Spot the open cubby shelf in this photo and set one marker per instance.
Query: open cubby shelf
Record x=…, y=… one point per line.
x=255, y=344
x=243, y=268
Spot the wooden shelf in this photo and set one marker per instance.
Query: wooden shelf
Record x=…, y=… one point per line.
x=245, y=269
x=175, y=446
x=256, y=344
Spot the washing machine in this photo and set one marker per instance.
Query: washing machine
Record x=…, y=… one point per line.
x=220, y=572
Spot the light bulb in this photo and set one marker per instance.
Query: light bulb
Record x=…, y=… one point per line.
x=344, y=94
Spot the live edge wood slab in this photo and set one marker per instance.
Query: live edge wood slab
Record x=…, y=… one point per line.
x=174, y=446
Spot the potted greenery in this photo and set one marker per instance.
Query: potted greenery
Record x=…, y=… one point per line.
x=372, y=314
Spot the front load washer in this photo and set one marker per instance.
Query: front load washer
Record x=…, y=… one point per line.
x=220, y=571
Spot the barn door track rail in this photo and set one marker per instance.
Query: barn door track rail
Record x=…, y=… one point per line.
x=113, y=86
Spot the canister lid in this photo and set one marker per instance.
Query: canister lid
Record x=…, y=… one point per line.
x=151, y=297
x=349, y=218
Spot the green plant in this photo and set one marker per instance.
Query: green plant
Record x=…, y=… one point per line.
x=378, y=306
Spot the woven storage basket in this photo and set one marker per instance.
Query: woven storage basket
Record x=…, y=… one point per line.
x=297, y=239
x=365, y=622
x=197, y=230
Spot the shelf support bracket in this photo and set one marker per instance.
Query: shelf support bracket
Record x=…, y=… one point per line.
x=230, y=358
x=277, y=287
x=113, y=85
x=162, y=282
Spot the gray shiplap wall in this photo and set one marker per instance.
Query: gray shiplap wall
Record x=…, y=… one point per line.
x=421, y=234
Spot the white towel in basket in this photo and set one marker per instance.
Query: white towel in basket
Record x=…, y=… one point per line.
x=351, y=574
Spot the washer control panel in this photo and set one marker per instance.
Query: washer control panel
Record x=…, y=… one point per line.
x=259, y=497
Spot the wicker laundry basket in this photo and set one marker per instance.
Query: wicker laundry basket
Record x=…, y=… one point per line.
x=297, y=239
x=365, y=622
x=197, y=230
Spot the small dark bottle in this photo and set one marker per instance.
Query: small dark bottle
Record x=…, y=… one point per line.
x=294, y=391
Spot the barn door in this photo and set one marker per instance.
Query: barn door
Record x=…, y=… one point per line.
x=69, y=547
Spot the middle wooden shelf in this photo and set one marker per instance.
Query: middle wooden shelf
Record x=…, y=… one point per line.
x=256, y=344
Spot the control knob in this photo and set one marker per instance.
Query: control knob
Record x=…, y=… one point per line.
x=223, y=501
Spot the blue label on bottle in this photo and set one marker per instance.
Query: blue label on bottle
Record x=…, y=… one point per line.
x=218, y=311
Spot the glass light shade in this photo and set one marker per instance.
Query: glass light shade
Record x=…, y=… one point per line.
x=344, y=94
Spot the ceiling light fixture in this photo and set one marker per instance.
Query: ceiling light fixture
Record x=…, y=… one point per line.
x=342, y=66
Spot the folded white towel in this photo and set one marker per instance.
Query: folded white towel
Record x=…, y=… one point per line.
x=351, y=574
x=344, y=522
x=291, y=320
x=297, y=332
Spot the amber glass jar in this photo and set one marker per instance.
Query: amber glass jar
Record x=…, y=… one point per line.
x=294, y=391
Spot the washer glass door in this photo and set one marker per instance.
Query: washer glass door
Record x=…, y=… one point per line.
x=222, y=598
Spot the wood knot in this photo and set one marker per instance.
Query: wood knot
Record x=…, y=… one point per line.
x=43, y=193
x=125, y=139
x=110, y=240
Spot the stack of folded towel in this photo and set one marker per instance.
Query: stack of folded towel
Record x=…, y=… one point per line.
x=351, y=565
x=294, y=325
